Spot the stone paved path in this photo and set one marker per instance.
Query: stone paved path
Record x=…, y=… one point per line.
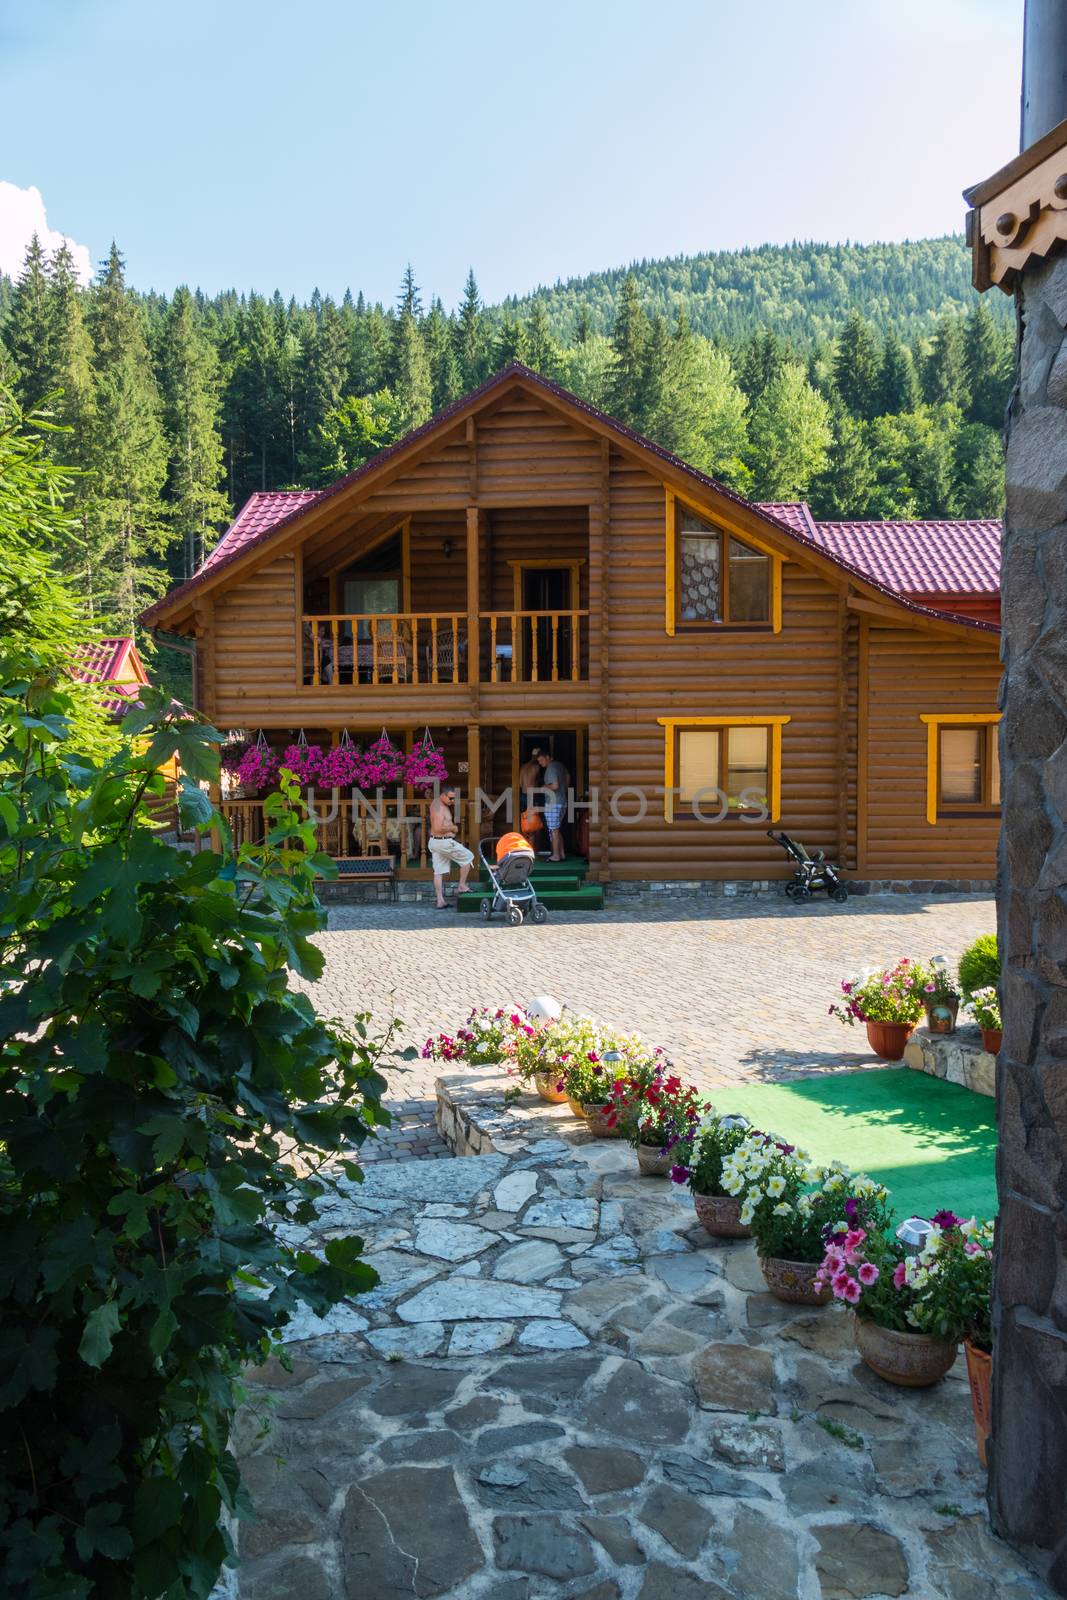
x=562, y=1388
x=731, y=989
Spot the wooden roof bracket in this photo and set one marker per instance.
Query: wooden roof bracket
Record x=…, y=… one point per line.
x=1020, y=213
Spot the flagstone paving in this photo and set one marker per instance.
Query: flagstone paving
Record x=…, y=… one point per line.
x=563, y=1388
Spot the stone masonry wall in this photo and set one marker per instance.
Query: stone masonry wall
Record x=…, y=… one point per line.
x=1028, y=1499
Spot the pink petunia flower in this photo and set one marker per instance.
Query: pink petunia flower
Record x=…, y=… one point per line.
x=900, y=1275
x=851, y=1291
x=868, y=1273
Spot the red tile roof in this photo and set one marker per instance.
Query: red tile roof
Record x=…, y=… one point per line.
x=100, y=659
x=265, y=512
x=259, y=512
x=927, y=558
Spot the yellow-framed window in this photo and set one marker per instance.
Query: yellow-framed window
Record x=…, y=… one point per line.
x=737, y=758
x=716, y=580
x=962, y=765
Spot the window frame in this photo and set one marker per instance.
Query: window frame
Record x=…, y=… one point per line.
x=675, y=623
x=938, y=722
x=673, y=726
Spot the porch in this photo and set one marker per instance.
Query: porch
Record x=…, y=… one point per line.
x=392, y=822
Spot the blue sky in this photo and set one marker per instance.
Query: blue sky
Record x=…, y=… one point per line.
x=252, y=143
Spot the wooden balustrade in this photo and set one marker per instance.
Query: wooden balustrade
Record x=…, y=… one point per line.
x=392, y=647
x=423, y=647
x=399, y=828
x=535, y=646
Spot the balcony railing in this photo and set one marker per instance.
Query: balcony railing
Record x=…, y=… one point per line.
x=408, y=647
x=534, y=646
x=391, y=827
x=424, y=647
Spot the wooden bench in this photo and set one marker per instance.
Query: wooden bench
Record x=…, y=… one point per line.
x=377, y=870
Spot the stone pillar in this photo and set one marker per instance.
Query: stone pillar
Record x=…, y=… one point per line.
x=1028, y=1477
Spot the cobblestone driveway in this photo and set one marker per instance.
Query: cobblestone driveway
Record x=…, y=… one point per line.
x=732, y=989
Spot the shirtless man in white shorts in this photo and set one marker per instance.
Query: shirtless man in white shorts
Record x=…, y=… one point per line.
x=445, y=846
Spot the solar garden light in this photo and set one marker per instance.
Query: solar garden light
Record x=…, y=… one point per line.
x=734, y=1120
x=612, y=1056
x=913, y=1234
x=544, y=1008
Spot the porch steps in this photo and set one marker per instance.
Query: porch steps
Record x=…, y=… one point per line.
x=585, y=897
x=561, y=885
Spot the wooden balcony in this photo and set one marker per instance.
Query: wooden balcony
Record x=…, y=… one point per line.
x=429, y=648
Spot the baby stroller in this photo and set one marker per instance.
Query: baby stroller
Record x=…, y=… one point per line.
x=812, y=872
x=513, y=893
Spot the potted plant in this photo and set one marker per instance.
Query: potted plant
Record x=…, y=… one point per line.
x=715, y=1140
x=913, y=1309
x=792, y=1207
x=658, y=1119
x=487, y=1038
x=590, y=1081
x=986, y=1008
x=940, y=997
x=889, y=1001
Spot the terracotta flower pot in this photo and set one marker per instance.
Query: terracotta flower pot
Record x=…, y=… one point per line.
x=794, y=1281
x=992, y=1039
x=546, y=1088
x=941, y=1017
x=980, y=1378
x=912, y=1360
x=603, y=1121
x=576, y=1106
x=887, y=1039
x=654, y=1162
x=721, y=1215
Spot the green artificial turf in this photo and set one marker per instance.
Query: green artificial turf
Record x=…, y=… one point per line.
x=932, y=1143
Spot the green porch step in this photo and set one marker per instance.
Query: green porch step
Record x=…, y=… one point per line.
x=584, y=897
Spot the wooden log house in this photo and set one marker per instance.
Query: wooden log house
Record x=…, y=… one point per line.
x=524, y=570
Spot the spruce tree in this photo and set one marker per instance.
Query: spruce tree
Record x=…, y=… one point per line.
x=412, y=387
x=510, y=342
x=762, y=359
x=945, y=377
x=471, y=340
x=979, y=457
x=987, y=367
x=856, y=367
x=438, y=334
x=29, y=333
x=126, y=525
x=898, y=382
x=630, y=341
x=190, y=376
x=542, y=352
x=583, y=325
x=323, y=368
x=842, y=490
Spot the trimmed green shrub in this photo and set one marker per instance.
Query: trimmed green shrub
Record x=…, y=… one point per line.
x=980, y=965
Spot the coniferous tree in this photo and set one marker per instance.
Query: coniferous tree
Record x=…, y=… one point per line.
x=412, y=388
x=587, y=370
x=29, y=330
x=790, y=436
x=471, y=341
x=898, y=382
x=979, y=464
x=842, y=490
x=945, y=377
x=583, y=325
x=323, y=370
x=542, y=352
x=126, y=527
x=445, y=382
x=510, y=342
x=71, y=362
x=987, y=367
x=762, y=359
x=254, y=425
x=857, y=367
x=630, y=341
x=190, y=381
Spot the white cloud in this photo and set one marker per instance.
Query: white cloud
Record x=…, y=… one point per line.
x=22, y=215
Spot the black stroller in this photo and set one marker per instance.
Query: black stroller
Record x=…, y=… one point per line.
x=513, y=893
x=812, y=872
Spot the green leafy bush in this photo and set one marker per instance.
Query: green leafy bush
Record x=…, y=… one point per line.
x=980, y=965
x=164, y=1097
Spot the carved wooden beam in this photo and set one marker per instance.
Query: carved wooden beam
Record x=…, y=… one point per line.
x=1020, y=213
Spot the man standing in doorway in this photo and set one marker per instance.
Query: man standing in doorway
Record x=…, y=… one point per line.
x=556, y=779
x=529, y=783
x=445, y=846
